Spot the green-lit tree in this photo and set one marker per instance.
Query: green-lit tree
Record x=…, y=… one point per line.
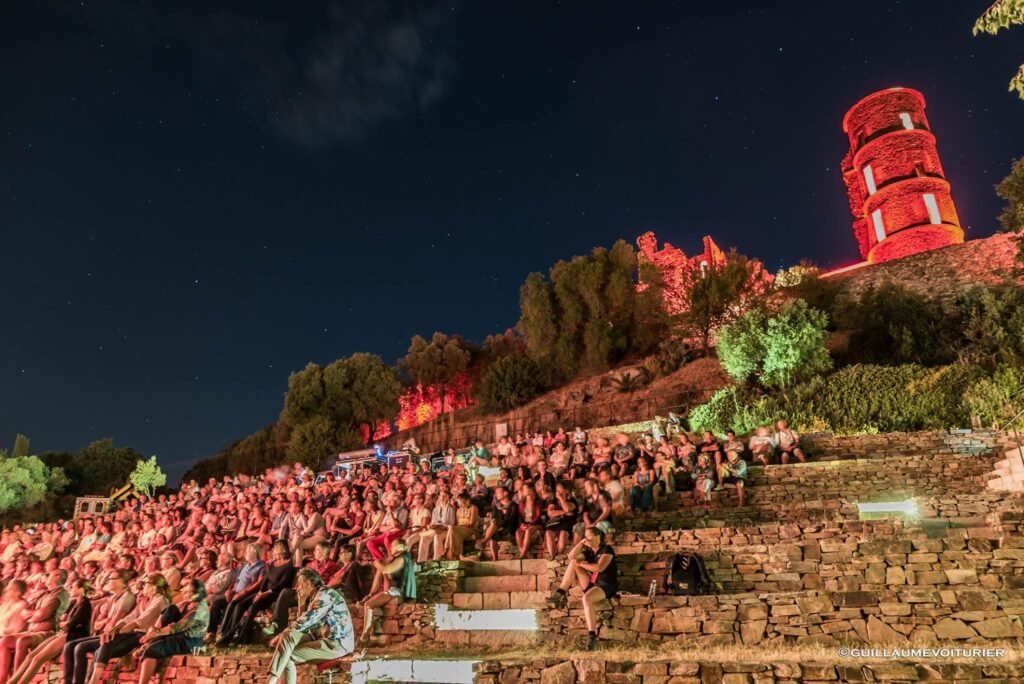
x=147, y=477
x=1011, y=189
x=506, y=344
x=20, y=450
x=25, y=481
x=778, y=348
x=1000, y=15
x=21, y=443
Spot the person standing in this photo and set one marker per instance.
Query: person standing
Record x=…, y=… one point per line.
x=323, y=632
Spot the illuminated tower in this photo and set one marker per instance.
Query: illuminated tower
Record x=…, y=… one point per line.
x=898, y=194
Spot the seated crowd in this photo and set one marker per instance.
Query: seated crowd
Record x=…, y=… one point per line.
x=235, y=561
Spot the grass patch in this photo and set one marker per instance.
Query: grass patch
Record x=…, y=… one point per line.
x=759, y=654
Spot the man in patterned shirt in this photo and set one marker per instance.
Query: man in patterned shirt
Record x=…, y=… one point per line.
x=324, y=632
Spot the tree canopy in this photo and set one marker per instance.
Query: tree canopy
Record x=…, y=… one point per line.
x=325, y=405
x=778, y=348
x=147, y=477
x=437, y=362
x=509, y=382
x=96, y=469
x=717, y=295
x=589, y=313
x=25, y=481
x=1003, y=14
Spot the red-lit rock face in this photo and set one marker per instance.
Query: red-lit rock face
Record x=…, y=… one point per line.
x=898, y=193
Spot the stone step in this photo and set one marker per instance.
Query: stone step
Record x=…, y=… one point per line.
x=495, y=600
x=504, y=583
x=491, y=568
x=960, y=510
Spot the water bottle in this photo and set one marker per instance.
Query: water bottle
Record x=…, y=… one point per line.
x=653, y=590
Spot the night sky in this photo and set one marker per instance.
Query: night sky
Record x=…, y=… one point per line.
x=197, y=198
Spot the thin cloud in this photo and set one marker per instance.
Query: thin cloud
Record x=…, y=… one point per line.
x=328, y=73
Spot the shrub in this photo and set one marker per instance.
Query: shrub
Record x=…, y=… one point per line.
x=730, y=408
x=892, y=324
x=998, y=398
x=672, y=355
x=854, y=400
x=509, y=382
x=805, y=282
x=993, y=325
x=870, y=398
x=778, y=348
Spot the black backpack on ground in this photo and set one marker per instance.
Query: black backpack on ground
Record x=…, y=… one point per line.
x=687, y=576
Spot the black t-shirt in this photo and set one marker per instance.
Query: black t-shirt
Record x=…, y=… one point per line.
x=607, y=579
x=505, y=518
x=278, y=577
x=593, y=509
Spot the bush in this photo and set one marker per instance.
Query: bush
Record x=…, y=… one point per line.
x=993, y=326
x=805, y=282
x=672, y=355
x=870, y=398
x=25, y=481
x=509, y=382
x=778, y=348
x=892, y=324
x=998, y=398
x=730, y=408
x=855, y=400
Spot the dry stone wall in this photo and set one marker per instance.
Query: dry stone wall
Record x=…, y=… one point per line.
x=943, y=273
x=922, y=614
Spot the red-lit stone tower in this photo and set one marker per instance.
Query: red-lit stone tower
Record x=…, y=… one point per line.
x=898, y=194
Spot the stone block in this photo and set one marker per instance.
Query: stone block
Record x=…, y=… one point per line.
x=855, y=598
x=562, y=673
x=893, y=671
x=752, y=611
x=881, y=633
x=818, y=672
x=930, y=577
x=752, y=632
x=589, y=671
x=894, y=608
x=809, y=605
x=951, y=628
x=996, y=628
x=962, y=576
